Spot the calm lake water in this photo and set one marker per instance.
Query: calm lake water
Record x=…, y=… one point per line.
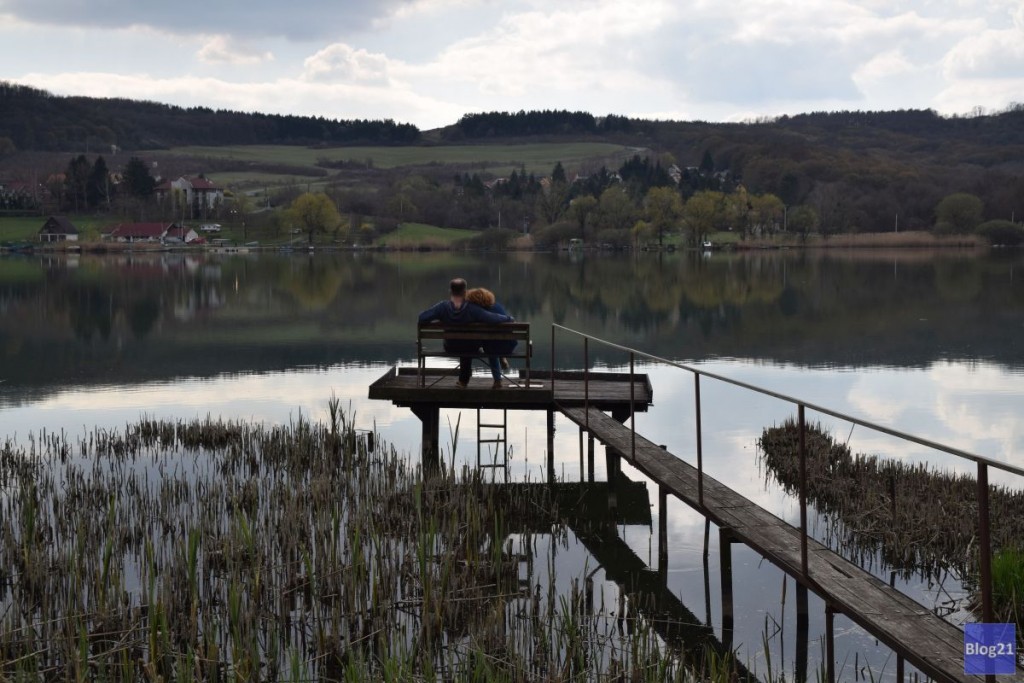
x=931, y=343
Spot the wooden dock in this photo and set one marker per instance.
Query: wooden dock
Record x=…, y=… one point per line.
x=914, y=633
x=930, y=643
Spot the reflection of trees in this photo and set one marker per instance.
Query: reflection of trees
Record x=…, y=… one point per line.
x=160, y=316
x=91, y=311
x=142, y=314
x=958, y=279
x=314, y=283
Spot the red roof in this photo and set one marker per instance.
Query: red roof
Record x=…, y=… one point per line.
x=201, y=184
x=140, y=230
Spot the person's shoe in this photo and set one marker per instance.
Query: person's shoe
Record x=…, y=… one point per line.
x=460, y=384
x=497, y=384
x=504, y=364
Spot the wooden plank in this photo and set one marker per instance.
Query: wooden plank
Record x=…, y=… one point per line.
x=928, y=642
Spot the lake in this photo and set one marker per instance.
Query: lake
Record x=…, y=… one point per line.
x=927, y=342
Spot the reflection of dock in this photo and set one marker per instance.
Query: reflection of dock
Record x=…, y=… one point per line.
x=584, y=507
x=649, y=596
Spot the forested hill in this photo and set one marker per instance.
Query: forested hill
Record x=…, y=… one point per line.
x=34, y=119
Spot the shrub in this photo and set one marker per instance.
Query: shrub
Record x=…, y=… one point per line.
x=1001, y=232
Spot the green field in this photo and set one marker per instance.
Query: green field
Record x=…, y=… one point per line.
x=537, y=158
x=416, y=234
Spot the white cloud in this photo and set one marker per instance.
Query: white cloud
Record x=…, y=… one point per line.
x=222, y=49
x=341, y=63
x=430, y=61
x=989, y=54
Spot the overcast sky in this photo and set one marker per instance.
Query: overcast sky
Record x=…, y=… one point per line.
x=430, y=61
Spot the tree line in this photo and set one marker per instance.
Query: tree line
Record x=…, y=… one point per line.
x=33, y=119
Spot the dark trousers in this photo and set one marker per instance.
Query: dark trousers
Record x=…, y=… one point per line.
x=465, y=362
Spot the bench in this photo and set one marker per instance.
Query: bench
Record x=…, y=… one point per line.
x=430, y=338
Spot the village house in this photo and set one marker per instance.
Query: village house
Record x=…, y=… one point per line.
x=139, y=232
x=200, y=194
x=184, y=234
x=58, y=229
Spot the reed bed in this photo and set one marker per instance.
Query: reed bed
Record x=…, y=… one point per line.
x=216, y=551
x=917, y=520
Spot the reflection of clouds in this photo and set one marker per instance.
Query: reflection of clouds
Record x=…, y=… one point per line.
x=273, y=398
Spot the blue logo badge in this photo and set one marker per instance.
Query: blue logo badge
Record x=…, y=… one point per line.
x=990, y=649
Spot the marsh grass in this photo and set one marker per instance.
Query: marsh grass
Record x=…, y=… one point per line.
x=918, y=520
x=216, y=551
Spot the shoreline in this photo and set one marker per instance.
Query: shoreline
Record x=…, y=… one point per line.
x=908, y=240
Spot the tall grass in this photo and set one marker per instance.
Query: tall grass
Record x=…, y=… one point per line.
x=209, y=550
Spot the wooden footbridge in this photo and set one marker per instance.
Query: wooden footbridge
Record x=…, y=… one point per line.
x=602, y=403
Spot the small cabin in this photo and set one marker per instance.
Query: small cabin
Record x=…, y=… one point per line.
x=58, y=229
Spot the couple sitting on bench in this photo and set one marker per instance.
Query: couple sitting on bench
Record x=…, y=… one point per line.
x=463, y=307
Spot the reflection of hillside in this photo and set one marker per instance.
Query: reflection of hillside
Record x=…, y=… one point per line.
x=162, y=316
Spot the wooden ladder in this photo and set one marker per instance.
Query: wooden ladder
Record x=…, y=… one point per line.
x=499, y=438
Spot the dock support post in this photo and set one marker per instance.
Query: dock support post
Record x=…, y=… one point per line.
x=551, y=446
x=707, y=573
x=662, y=533
x=583, y=471
x=590, y=458
x=830, y=644
x=430, y=417
x=725, y=567
x=899, y=668
x=802, y=632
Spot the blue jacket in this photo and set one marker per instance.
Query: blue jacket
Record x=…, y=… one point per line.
x=445, y=312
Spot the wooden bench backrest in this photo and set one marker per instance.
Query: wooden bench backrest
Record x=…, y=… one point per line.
x=475, y=331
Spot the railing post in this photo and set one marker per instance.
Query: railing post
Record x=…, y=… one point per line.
x=985, y=547
x=803, y=492
x=586, y=381
x=632, y=406
x=700, y=443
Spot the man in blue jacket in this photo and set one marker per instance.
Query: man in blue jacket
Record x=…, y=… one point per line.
x=455, y=310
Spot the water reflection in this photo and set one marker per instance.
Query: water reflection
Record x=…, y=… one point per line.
x=925, y=342
x=138, y=317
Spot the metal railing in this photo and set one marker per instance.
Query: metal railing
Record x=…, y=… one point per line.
x=983, y=463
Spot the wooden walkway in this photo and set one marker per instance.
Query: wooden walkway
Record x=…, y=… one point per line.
x=928, y=642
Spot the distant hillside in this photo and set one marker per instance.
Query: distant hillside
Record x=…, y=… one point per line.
x=857, y=171
x=35, y=120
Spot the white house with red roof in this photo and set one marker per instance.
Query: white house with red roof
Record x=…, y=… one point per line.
x=200, y=193
x=181, y=233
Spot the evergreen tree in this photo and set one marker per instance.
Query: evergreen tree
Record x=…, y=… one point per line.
x=97, y=189
x=76, y=180
x=137, y=179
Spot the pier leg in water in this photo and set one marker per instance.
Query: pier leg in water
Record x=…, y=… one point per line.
x=707, y=573
x=725, y=551
x=663, y=534
x=590, y=458
x=802, y=624
x=830, y=644
x=551, y=446
x=430, y=417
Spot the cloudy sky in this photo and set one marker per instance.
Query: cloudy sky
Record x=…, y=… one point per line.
x=430, y=61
